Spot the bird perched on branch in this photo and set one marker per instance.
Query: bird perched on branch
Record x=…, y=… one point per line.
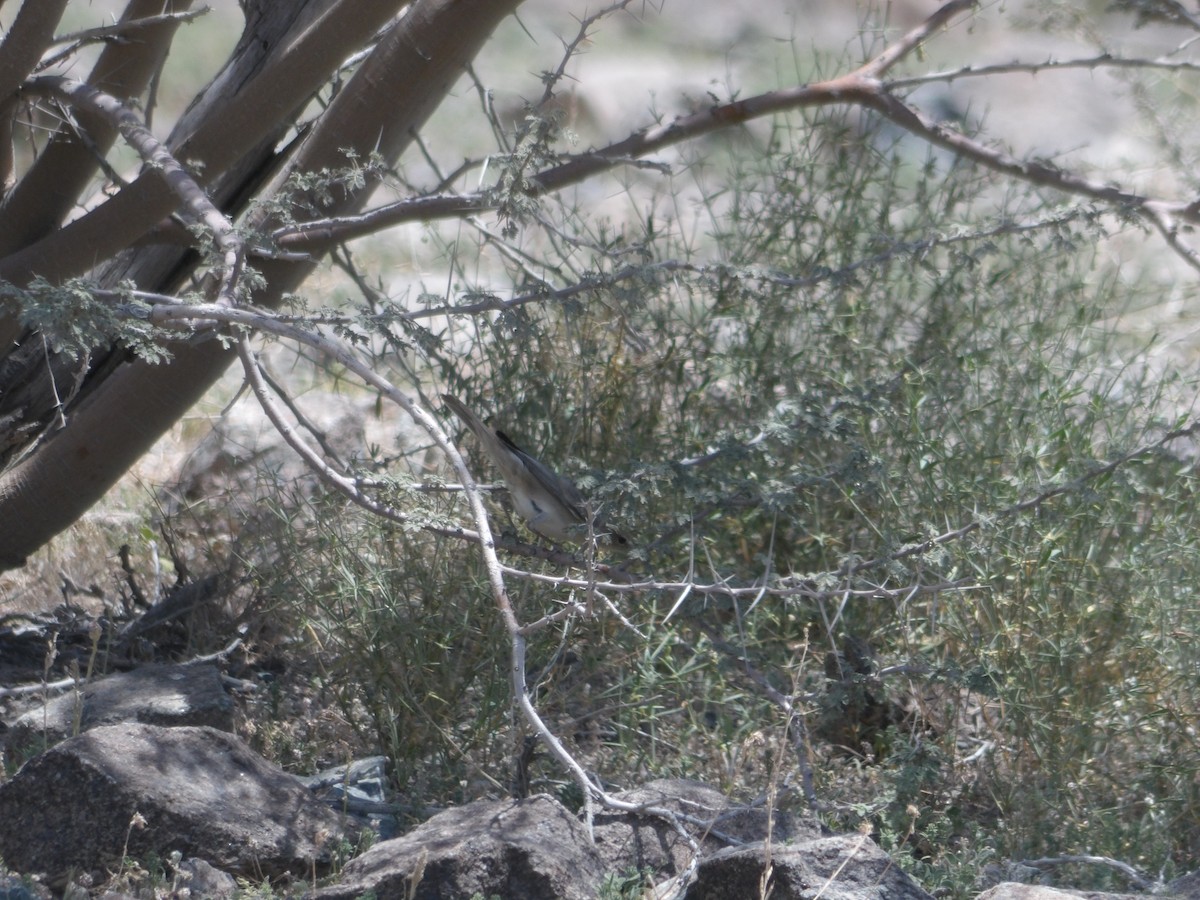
x=548, y=503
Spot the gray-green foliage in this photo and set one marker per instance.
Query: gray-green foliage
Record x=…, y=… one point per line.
x=76, y=319
x=842, y=348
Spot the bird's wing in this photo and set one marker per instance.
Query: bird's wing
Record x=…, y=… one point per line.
x=520, y=470
x=552, y=483
x=523, y=473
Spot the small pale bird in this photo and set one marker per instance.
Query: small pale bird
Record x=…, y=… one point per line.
x=550, y=504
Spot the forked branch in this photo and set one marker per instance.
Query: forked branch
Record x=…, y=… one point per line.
x=864, y=87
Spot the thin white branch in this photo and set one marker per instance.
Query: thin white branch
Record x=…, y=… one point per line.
x=157, y=157
x=292, y=437
x=255, y=319
x=1100, y=61
x=120, y=29
x=1140, y=881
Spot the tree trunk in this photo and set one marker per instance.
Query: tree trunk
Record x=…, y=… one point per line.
x=121, y=406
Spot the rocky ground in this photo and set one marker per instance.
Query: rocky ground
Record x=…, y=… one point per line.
x=156, y=797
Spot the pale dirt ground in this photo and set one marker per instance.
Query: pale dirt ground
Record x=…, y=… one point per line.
x=639, y=65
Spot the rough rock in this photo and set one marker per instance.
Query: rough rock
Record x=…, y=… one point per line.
x=1012, y=890
x=133, y=789
x=629, y=841
x=533, y=849
x=153, y=695
x=203, y=880
x=359, y=790
x=837, y=868
x=1187, y=886
x=12, y=888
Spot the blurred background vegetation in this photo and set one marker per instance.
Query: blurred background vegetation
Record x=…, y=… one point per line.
x=813, y=343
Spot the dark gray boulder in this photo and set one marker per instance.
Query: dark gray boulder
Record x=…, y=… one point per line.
x=153, y=694
x=132, y=789
x=533, y=849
